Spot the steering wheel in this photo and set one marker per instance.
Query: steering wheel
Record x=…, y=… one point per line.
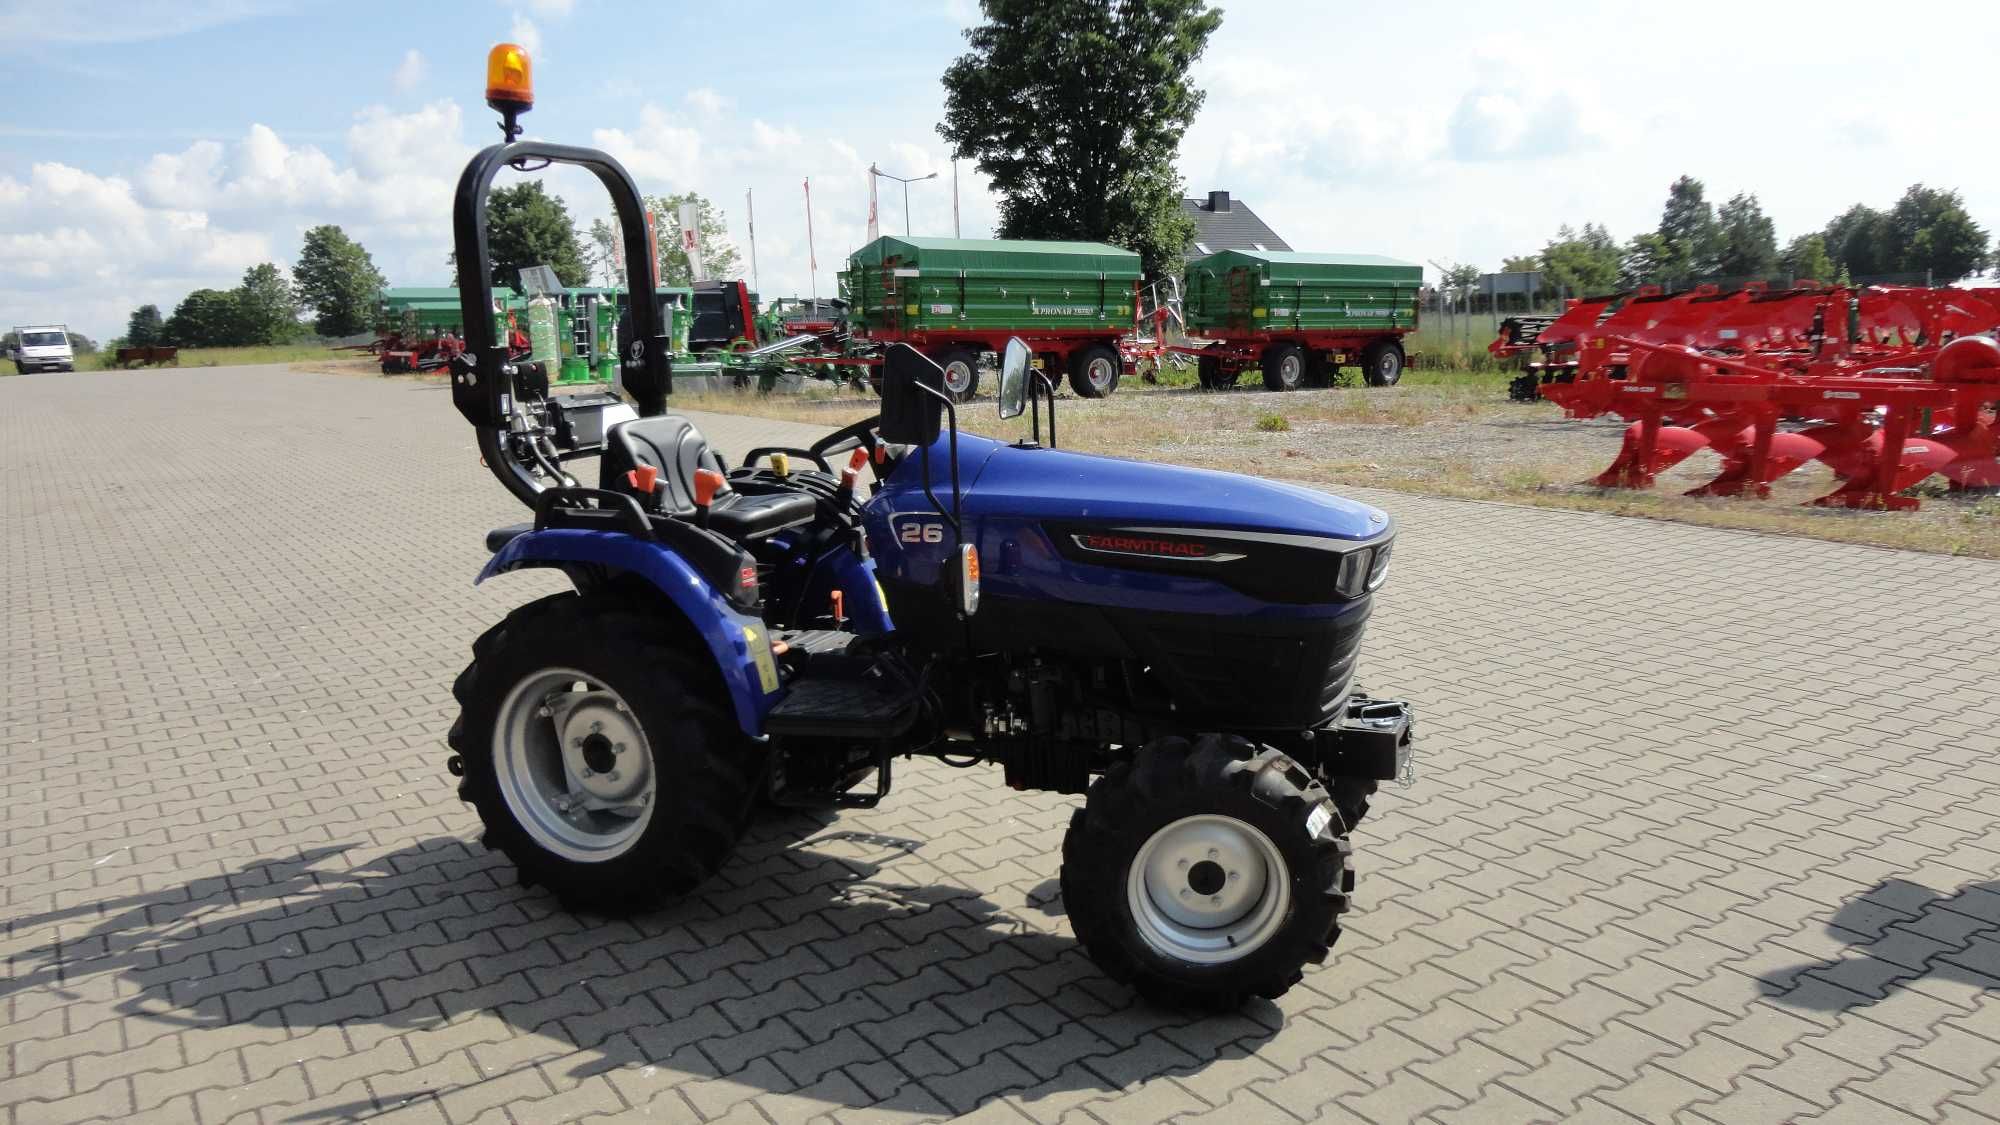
x=861, y=434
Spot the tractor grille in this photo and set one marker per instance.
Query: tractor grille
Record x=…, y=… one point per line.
x=1253, y=673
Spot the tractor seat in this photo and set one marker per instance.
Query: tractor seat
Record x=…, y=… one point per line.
x=671, y=444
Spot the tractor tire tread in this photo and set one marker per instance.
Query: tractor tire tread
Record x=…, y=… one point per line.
x=1171, y=778
x=705, y=793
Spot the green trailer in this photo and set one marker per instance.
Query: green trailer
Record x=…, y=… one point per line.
x=957, y=298
x=1299, y=317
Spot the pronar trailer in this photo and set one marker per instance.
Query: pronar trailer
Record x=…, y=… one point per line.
x=957, y=298
x=1299, y=317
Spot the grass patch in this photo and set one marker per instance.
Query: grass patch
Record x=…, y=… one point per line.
x=107, y=360
x=1274, y=424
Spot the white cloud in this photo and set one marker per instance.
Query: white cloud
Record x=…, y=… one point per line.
x=526, y=35
x=409, y=72
x=707, y=100
x=553, y=8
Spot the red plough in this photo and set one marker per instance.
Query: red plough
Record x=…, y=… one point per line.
x=1770, y=381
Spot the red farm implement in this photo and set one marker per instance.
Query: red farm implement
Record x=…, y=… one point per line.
x=1884, y=386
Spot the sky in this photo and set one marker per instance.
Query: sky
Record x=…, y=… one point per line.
x=148, y=149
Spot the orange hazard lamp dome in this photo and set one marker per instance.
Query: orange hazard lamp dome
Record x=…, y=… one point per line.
x=510, y=83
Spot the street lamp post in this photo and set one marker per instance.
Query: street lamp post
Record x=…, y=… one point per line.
x=906, y=182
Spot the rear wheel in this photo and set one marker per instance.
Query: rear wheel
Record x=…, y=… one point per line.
x=1094, y=371
x=1205, y=873
x=1284, y=367
x=1382, y=363
x=594, y=757
x=961, y=372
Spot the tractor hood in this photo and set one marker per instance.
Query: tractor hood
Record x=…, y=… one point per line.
x=1004, y=480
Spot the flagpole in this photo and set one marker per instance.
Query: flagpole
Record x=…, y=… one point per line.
x=750, y=209
x=954, y=199
x=812, y=259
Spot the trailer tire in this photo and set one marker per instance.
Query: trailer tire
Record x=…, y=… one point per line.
x=1094, y=370
x=1382, y=363
x=1284, y=367
x=699, y=773
x=1264, y=818
x=961, y=372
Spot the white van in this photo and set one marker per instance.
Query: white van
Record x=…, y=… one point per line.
x=43, y=347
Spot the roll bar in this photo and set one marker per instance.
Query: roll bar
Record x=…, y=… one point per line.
x=486, y=386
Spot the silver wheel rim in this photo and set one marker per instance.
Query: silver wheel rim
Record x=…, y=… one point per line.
x=1099, y=371
x=1208, y=889
x=573, y=765
x=957, y=376
x=1289, y=369
x=1386, y=368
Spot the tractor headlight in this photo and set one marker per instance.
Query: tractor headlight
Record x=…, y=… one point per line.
x=1353, y=573
x=1363, y=570
x=1378, y=571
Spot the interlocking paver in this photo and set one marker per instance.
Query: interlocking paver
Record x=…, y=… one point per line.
x=1660, y=861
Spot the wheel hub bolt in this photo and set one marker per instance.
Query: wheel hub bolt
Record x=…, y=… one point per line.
x=1212, y=853
x=1185, y=893
x=597, y=728
x=587, y=772
x=618, y=748
x=613, y=775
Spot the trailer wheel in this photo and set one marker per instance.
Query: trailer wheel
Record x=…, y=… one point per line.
x=1094, y=370
x=1284, y=367
x=1382, y=363
x=1205, y=873
x=594, y=756
x=961, y=372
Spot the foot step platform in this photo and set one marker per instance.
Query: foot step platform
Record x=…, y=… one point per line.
x=870, y=706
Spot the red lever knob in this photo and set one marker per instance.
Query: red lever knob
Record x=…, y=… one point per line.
x=644, y=479
x=707, y=482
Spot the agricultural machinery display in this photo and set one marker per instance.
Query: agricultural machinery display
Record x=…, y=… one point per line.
x=1178, y=644
x=1886, y=386
x=1297, y=318
x=958, y=299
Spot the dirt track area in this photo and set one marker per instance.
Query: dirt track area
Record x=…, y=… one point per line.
x=1460, y=440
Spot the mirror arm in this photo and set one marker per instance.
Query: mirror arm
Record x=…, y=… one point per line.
x=956, y=513
x=1049, y=388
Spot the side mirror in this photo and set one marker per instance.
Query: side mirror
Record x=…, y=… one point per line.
x=1014, y=379
x=910, y=412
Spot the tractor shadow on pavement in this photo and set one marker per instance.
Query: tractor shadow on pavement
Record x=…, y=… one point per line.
x=837, y=966
x=1898, y=932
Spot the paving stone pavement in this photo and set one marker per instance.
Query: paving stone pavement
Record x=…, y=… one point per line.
x=1702, y=831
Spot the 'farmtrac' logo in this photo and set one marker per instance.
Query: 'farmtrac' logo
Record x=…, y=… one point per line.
x=1146, y=546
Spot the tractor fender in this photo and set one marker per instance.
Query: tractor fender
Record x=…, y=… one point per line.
x=735, y=640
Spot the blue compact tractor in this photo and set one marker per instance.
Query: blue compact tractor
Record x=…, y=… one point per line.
x=1175, y=644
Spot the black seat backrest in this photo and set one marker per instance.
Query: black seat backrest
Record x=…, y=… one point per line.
x=669, y=443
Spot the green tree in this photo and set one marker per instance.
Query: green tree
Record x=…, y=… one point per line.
x=144, y=326
x=1857, y=239
x=526, y=226
x=266, y=310
x=1646, y=260
x=338, y=281
x=600, y=253
x=718, y=252
x=1582, y=262
x=1931, y=232
x=1805, y=259
x=1749, y=239
x=1521, y=263
x=1076, y=110
x=1688, y=229
x=205, y=318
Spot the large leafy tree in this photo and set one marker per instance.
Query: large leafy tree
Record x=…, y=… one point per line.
x=338, y=281
x=205, y=318
x=1749, y=239
x=526, y=226
x=1689, y=231
x=1075, y=110
x=1932, y=232
x=1858, y=240
x=266, y=310
x=144, y=327
x=1582, y=262
x=1646, y=259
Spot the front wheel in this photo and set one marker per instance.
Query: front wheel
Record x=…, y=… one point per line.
x=1094, y=371
x=1205, y=873
x=595, y=758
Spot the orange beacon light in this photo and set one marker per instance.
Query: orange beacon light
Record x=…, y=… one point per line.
x=510, y=84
